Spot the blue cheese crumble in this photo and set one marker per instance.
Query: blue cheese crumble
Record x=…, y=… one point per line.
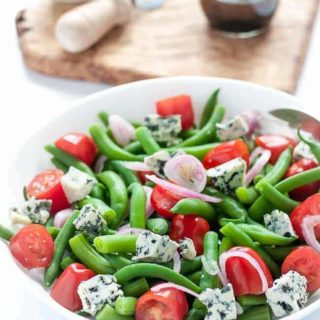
x=77, y=184
x=90, y=221
x=288, y=294
x=98, y=291
x=232, y=129
x=279, y=222
x=157, y=161
x=164, y=129
x=187, y=249
x=228, y=176
x=220, y=303
x=154, y=248
x=301, y=151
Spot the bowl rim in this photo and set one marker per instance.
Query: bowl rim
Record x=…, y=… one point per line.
x=28, y=282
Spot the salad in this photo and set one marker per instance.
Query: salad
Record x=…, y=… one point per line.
x=168, y=219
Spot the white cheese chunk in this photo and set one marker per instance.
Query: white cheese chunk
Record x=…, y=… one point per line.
x=187, y=249
x=228, y=176
x=98, y=291
x=17, y=218
x=288, y=294
x=90, y=221
x=220, y=303
x=77, y=184
x=164, y=129
x=279, y=222
x=232, y=129
x=157, y=161
x=301, y=151
x=154, y=248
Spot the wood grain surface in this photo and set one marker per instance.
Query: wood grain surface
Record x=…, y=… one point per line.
x=175, y=40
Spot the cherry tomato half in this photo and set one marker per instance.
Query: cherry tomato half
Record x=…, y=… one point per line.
x=275, y=143
x=142, y=175
x=181, y=105
x=306, y=261
x=165, y=304
x=302, y=193
x=64, y=290
x=32, y=246
x=243, y=276
x=47, y=185
x=163, y=201
x=225, y=152
x=192, y=227
x=309, y=207
x=78, y=145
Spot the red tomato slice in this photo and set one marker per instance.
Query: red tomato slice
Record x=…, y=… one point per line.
x=302, y=193
x=64, y=290
x=225, y=152
x=243, y=276
x=192, y=227
x=46, y=185
x=78, y=145
x=310, y=207
x=32, y=246
x=275, y=143
x=163, y=201
x=306, y=261
x=166, y=304
x=142, y=175
x=181, y=105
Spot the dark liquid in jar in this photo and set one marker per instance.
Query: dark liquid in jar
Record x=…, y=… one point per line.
x=239, y=16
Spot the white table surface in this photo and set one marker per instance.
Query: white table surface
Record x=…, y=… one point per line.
x=28, y=99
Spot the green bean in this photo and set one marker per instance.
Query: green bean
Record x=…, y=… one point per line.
x=224, y=221
x=128, y=176
x=59, y=165
x=150, y=184
x=108, y=148
x=186, y=134
x=107, y=213
x=279, y=253
x=195, y=277
x=158, y=226
x=60, y=245
x=255, y=223
x=53, y=231
x=249, y=300
x=268, y=168
x=265, y=236
x=188, y=266
x=104, y=117
x=256, y=313
x=153, y=271
x=313, y=145
x=25, y=193
x=134, y=147
x=88, y=256
x=196, y=151
x=196, y=314
x=247, y=196
x=136, y=123
x=117, y=261
x=108, y=313
x=149, y=144
x=194, y=206
x=208, y=132
x=6, y=233
x=126, y=306
x=136, y=288
x=49, y=222
x=209, y=108
x=65, y=263
x=226, y=244
x=116, y=243
x=98, y=192
x=118, y=195
x=279, y=169
x=279, y=200
x=137, y=206
x=240, y=238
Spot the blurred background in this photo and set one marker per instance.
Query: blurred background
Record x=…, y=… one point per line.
x=276, y=43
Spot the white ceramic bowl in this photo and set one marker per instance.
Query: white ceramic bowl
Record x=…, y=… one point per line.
x=133, y=101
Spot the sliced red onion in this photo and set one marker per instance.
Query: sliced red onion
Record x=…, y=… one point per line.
x=308, y=224
x=251, y=118
x=241, y=254
x=186, y=171
x=258, y=166
x=149, y=207
x=167, y=285
x=176, y=262
x=181, y=191
x=211, y=267
x=136, y=166
x=122, y=131
x=125, y=229
x=61, y=217
x=255, y=153
x=99, y=164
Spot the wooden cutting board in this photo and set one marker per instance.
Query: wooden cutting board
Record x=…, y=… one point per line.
x=172, y=41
